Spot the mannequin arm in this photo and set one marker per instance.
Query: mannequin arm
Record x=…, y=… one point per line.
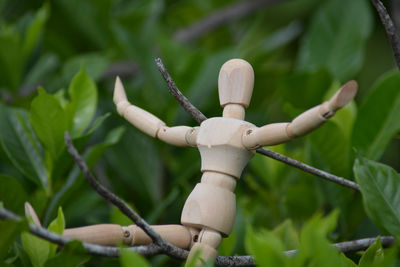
x=132, y=235
x=147, y=122
x=277, y=133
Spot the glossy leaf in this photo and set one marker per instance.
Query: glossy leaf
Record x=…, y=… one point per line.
x=378, y=117
x=299, y=206
x=380, y=185
x=332, y=147
x=56, y=226
x=83, y=93
x=143, y=177
x=11, y=61
x=36, y=248
x=335, y=41
x=97, y=123
x=305, y=89
x=9, y=231
x=373, y=254
x=44, y=67
x=49, y=120
x=34, y=31
x=19, y=142
x=12, y=194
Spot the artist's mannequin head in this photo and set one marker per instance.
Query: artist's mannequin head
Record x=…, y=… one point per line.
x=235, y=87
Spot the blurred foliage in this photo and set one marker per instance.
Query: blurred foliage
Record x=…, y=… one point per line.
x=58, y=60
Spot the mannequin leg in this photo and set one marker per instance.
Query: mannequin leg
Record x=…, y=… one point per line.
x=132, y=235
x=206, y=245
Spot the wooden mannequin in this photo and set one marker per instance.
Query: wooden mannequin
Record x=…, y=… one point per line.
x=226, y=144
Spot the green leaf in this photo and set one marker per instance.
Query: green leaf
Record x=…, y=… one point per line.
x=34, y=31
x=36, y=248
x=147, y=170
x=378, y=117
x=333, y=151
x=72, y=254
x=9, y=231
x=372, y=254
x=334, y=41
x=299, y=206
x=266, y=248
x=56, y=226
x=194, y=259
x=83, y=104
x=305, y=89
x=43, y=68
x=132, y=259
x=315, y=250
x=19, y=142
x=60, y=96
x=49, y=120
x=347, y=262
x=287, y=234
x=11, y=62
x=380, y=185
x=97, y=123
x=12, y=194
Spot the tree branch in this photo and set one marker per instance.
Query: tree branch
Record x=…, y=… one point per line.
x=154, y=249
x=390, y=29
x=363, y=244
x=307, y=168
x=165, y=246
x=199, y=117
x=183, y=101
x=395, y=7
x=219, y=17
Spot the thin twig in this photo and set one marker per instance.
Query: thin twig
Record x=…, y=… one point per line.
x=165, y=246
x=356, y=245
x=185, y=103
x=219, y=17
x=390, y=29
x=395, y=7
x=199, y=117
x=153, y=249
x=363, y=244
x=304, y=167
